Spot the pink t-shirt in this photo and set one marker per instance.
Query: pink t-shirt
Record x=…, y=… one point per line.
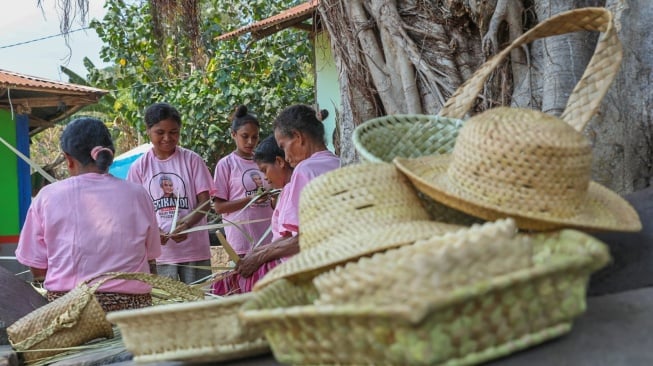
x=186, y=175
x=236, y=178
x=317, y=164
x=87, y=225
x=278, y=231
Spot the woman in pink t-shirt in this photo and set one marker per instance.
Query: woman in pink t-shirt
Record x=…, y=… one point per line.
x=300, y=134
x=277, y=171
x=178, y=182
x=236, y=181
x=91, y=223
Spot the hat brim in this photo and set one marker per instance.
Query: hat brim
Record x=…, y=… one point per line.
x=344, y=248
x=602, y=209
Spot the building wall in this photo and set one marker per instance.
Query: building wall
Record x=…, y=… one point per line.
x=10, y=213
x=327, y=88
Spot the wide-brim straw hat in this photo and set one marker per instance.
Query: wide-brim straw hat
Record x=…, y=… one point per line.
x=353, y=211
x=522, y=164
x=525, y=164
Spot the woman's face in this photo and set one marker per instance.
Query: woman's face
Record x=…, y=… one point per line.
x=168, y=187
x=164, y=137
x=291, y=146
x=276, y=173
x=246, y=138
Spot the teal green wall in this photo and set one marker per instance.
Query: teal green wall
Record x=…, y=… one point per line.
x=327, y=87
x=9, y=215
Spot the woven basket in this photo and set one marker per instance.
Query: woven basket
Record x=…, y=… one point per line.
x=77, y=317
x=405, y=135
x=430, y=266
x=200, y=331
x=469, y=324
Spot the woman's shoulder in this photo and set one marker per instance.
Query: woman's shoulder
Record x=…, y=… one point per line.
x=321, y=161
x=185, y=152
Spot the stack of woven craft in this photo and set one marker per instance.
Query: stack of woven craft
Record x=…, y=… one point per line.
x=395, y=266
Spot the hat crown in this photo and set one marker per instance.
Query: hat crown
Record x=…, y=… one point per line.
x=524, y=160
x=354, y=198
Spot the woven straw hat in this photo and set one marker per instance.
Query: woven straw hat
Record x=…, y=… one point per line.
x=512, y=162
x=523, y=164
x=354, y=211
x=344, y=200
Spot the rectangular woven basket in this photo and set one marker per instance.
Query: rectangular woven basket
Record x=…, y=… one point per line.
x=198, y=331
x=476, y=322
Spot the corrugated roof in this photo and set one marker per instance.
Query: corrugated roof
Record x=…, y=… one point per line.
x=276, y=23
x=44, y=101
x=25, y=82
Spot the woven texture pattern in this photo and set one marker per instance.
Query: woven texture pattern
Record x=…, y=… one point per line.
x=525, y=164
x=408, y=136
x=343, y=200
x=339, y=249
x=429, y=267
x=522, y=164
x=71, y=320
x=351, y=203
x=77, y=317
x=207, y=330
x=470, y=324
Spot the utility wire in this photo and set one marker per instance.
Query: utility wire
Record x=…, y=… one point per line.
x=43, y=38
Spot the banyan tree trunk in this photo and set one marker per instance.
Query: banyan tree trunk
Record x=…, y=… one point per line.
x=408, y=56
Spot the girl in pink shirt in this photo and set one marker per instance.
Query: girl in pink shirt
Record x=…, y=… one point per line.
x=91, y=223
x=178, y=181
x=270, y=160
x=300, y=134
x=237, y=179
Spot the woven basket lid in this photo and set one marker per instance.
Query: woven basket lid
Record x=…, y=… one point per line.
x=371, y=238
x=405, y=135
x=524, y=164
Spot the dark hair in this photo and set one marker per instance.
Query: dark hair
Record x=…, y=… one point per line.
x=241, y=118
x=267, y=151
x=301, y=118
x=158, y=112
x=323, y=114
x=82, y=135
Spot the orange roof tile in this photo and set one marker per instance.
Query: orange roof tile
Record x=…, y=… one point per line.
x=26, y=82
x=278, y=22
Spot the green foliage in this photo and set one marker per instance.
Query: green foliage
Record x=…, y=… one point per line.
x=266, y=75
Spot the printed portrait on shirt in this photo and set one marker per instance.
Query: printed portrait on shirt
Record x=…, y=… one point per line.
x=166, y=189
x=252, y=181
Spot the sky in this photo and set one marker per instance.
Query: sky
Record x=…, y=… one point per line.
x=23, y=50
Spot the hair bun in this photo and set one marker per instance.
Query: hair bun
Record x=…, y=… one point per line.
x=323, y=114
x=241, y=111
